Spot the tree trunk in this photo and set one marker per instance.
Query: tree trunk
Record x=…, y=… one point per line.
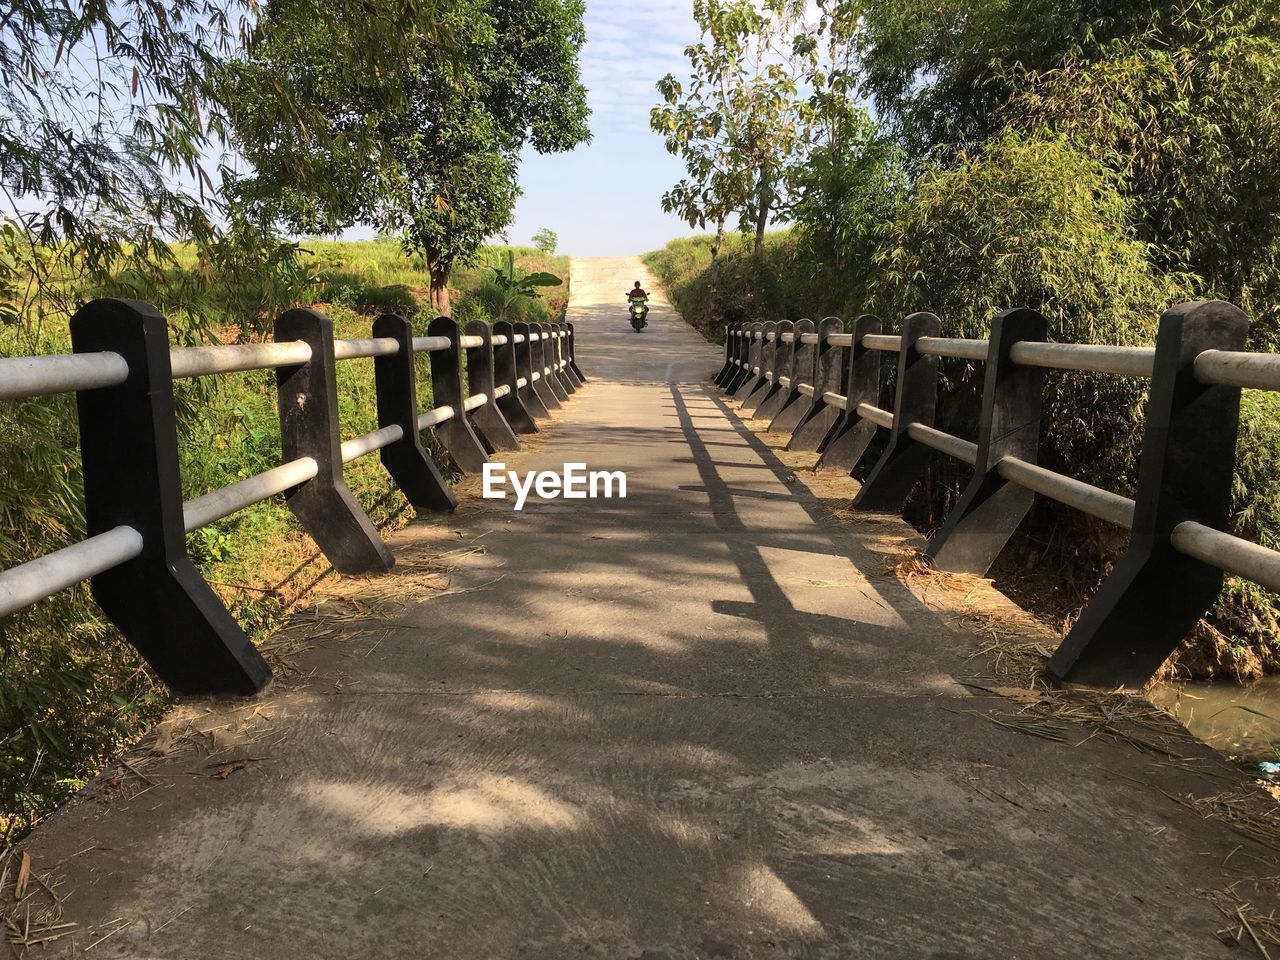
x=440, y=270
x=715, y=247
x=764, y=202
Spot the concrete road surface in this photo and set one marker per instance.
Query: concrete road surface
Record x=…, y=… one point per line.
x=701, y=721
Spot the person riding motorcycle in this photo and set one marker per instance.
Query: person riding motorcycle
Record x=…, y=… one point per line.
x=638, y=296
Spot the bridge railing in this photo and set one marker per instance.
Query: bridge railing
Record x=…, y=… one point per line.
x=134, y=555
x=822, y=386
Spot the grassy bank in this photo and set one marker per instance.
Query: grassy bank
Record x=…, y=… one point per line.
x=1058, y=558
x=72, y=692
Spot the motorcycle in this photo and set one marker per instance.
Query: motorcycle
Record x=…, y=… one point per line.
x=639, y=313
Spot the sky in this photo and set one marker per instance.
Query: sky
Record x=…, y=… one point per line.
x=605, y=198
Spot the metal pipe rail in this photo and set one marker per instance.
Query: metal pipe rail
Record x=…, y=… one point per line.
x=429, y=344
x=1235, y=368
x=22, y=377
x=1242, y=558
x=435, y=417
x=236, y=358
x=367, y=443
x=358, y=349
x=213, y=506
x=880, y=341
x=1089, y=357
x=31, y=582
x=136, y=516
x=1086, y=498
x=955, y=447
x=881, y=418
x=954, y=347
x=1178, y=520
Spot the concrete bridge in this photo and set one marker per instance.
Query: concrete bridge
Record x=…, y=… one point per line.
x=721, y=717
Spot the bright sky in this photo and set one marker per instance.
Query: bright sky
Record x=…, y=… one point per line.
x=605, y=199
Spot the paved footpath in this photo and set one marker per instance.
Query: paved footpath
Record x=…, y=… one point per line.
x=703, y=721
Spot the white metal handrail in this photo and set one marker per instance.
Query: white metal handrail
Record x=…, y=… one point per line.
x=1085, y=497
x=356, y=349
x=875, y=415
x=33, y=581
x=954, y=347
x=1088, y=357
x=60, y=373
x=955, y=447
x=882, y=341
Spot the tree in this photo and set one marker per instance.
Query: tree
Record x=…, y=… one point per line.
x=545, y=240
x=1179, y=99
x=740, y=122
x=101, y=106
x=109, y=114
x=1189, y=119
x=443, y=133
x=852, y=181
x=940, y=75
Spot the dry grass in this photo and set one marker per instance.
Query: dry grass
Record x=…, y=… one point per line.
x=1245, y=924
x=30, y=906
x=1247, y=810
x=1012, y=645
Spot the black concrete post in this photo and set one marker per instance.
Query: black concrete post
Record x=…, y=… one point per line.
x=747, y=351
x=506, y=374
x=538, y=357
x=768, y=357
x=487, y=420
x=742, y=353
x=414, y=472
x=990, y=509
x=566, y=367
x=129, y=452
x=829, y=378
x=720, y=375
x=848, y=441
x=776, y=397
x=1155, y=594
x=803, y=370
x=904, y=461
x=531, y=395
x=573, y=354
x=548, y=362
x=455, y=434
x=755, y=360
x=563, y=373
x=307, y=395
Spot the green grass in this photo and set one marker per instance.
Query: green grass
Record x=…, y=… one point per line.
x=72, y=691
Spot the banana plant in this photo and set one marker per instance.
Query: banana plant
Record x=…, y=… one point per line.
x=514, y=285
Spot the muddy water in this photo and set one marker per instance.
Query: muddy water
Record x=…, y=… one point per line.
x=1227, y=715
